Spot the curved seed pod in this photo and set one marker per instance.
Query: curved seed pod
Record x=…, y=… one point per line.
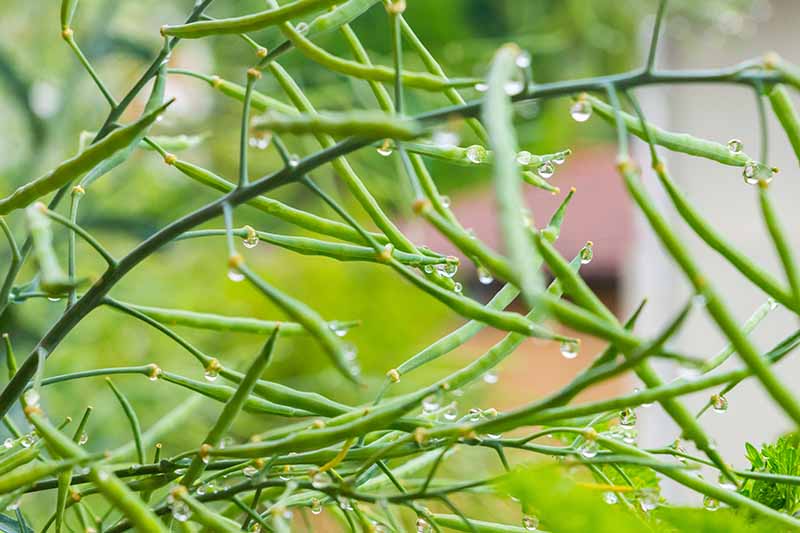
x=114, y=490
x=274, y=207
x=247, y=23
x=338, y=16
x=210, y=321
x=784, y=110
x=106, y=166
x=133, y=420
x=311, y=320
x=205, y=516
x=232, y=408
x=27, y=475
x=418, y=80
x=83, y=162
x=457, y=523
x=14, y=460
x=359, y=123
x=497, y=117
x=68, y=8
x=53, y=280
x=223, y=393
x=677, y=142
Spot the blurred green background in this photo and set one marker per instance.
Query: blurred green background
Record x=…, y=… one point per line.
x=46, y=100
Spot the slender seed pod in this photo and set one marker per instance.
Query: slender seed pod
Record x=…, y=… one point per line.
x=104, y=167
x=114, y=490
x=247, y=23
x=72, y=168
x=359, y=123
x=133, y=420
x=10, y=462
x=53, y=280
x=205, y=516
x=32, y=472
x=497, y=117
x=677, y=142
x=340, y=15
x=784, y=110
x=223, y=393
x=68, y=8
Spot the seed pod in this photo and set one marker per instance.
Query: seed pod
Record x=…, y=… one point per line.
x=83, y=162
x=360, y=123
x=677, y=142
x=68, y=8
x=53, y=280
x=784, y=110
x=247, y=23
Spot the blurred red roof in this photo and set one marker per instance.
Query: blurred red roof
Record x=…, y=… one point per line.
x=599, y=212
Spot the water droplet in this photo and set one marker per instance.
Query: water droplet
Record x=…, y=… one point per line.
x=345, y=504
x=524, y=157
x=430, y=403
x=610, y=498
x=735, y=146
x=484, y=276
x=476, y=154
x=235, y=275
x=320, y=480
x=726, y=483
x=648, y=499
x=458, y=288
x=710, y=504
x=294, y=160
x=772, y=304
x=251, y=240
x=423, y=526
x=589, y=449
x=250, y=471
x=385, y=149
x=27, y=440
x=260, y=140
x=301, y=27
x=32, y=397
x=546, y=170
x=54, y=298
x=523, y=60
x=587, y=253
x=181, y=512
x=630, y=435
x=339, y=329
x=719, y=403
x=450, y=413
x=475, y=414
x=316, y=506
x=103, y=475
x=491, y=377
x=445, y=200
x=569, y=349
x=581, y=110
x=448, y=269
x=83, y=439
x=627, y=418
x=559, y=159
x=481, y=87
x=13, y=506
x=428, y=269
x=530, y=522
x=8, y=443
x=211, y=373
x=513, y=87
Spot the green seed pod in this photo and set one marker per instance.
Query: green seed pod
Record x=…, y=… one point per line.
x=70, y=169
x=677, y=142
x=360, y=123
x=205, y=516
x=68, y=8
x=784, y=110
x=247, y=23
x=53, y=280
